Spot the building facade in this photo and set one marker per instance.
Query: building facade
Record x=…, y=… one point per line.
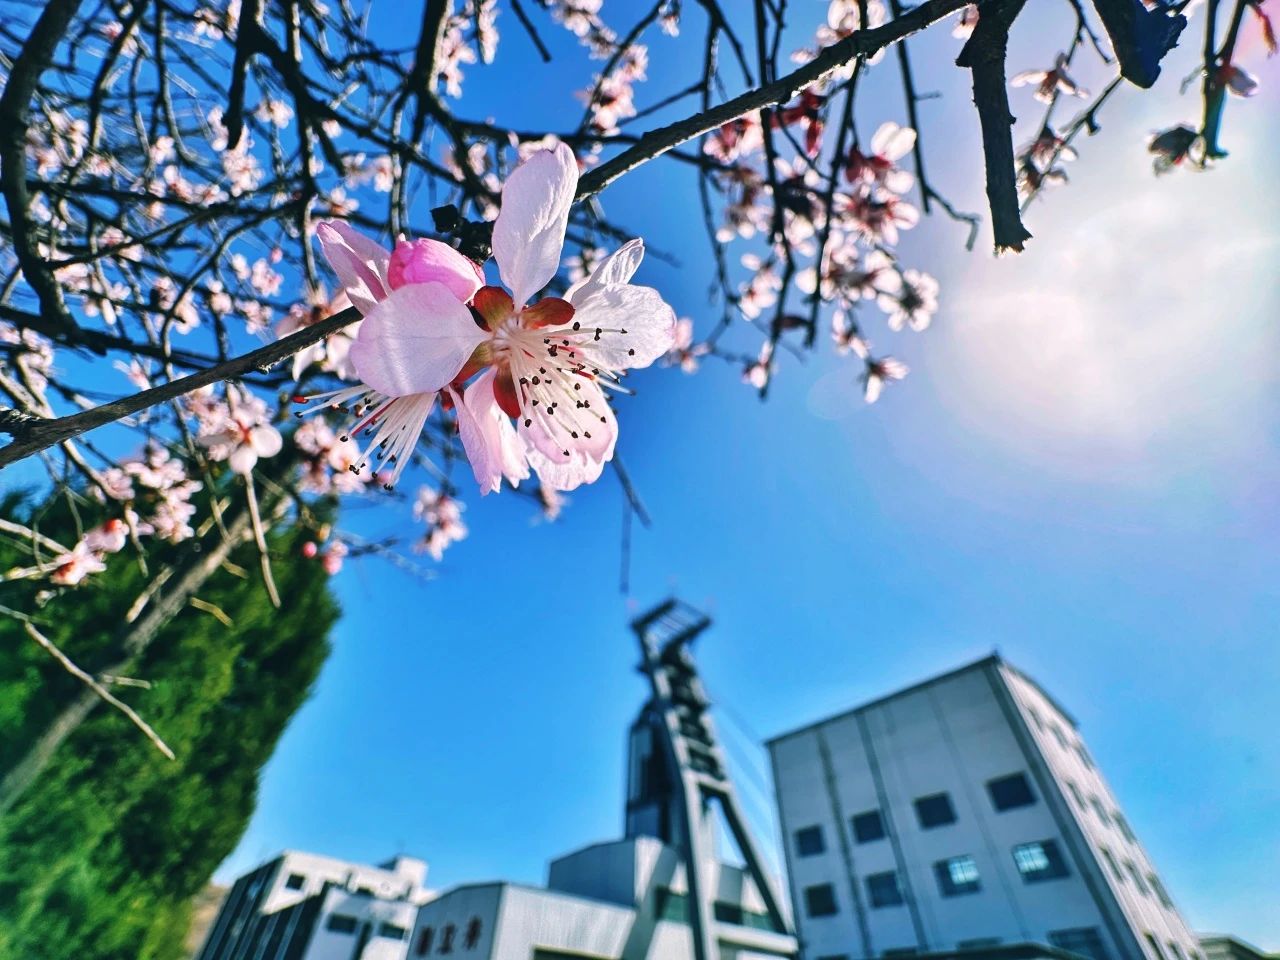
x=301, y=906
x=963, y=813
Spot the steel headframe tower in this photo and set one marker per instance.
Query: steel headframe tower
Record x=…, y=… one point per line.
x=677, y=771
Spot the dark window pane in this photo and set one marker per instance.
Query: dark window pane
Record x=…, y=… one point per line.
x=957, y=876
x=391, y=931
x=1041, y=860
x=1161, y=893
x=425, y=936
x=1154, y=944
x=978, y=943
x=295, y=881
x=1136, y=877
x=809, y=841
x=1010, y=792
x=341, y=923
x=868, y=827
x=1085, y=941
x=820, y=900
x=669, y=905
x=935, y=811
x=883, y=890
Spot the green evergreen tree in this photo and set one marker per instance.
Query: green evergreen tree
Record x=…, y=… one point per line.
x=101, y=856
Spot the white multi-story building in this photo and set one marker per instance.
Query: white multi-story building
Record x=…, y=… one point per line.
x=963, y=813
x=301, y=906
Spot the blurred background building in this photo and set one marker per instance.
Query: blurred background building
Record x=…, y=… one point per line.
x=962, y=817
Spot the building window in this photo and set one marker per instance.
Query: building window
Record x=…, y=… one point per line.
x=391, y=931
x=979, y=943
x=1161, y=893
x=1086, y=941
x=935, y=811
x=473, y=933
x=425, y=936
x=868, y=827
x=820, y=900
x=1111, y=862
x=1008, y=793
x=957, y=876
x=669, y=905
x=447, y=933
x=809, y=841
x=1035, y=717
x=1154, y=944
x=1076, y=795
x=1176, y=951
x=901, y=952
x=340, y=923
x=1059, y=736
x=728, y=912
x=295, y=881
x=1100, y=810
x=1040, y=860
x=1123, y=825
x=883, y=890
x=1137, y=877
x=1083, y=754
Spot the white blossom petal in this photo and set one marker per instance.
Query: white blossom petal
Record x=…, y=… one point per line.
x=529, y=232
x=619, y=267
x=488, y=436
x=360, y=263
x=414, y=341
x=649, y=322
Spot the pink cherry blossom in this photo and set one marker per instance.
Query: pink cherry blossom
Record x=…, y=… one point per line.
x=889, y=144
x=443, y=516
x=416, y=335
x=684, y=352
x=552, y=360
x=913, y=303
x=73, y=566
x=239, y=431
x=1050, y=83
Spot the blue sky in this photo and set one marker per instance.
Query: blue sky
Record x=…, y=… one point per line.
x=1081, y=471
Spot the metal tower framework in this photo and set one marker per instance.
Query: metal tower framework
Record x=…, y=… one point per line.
x=686, y=775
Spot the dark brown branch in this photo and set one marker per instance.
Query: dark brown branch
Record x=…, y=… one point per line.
x=32, y=437
x=860, y=43
x=984, y=55
x=15, y=118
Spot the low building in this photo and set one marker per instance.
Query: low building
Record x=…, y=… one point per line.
x=1220, y=946
x=623, y=899
x=301, y=906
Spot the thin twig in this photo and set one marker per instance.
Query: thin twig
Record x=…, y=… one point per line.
x=102, y=692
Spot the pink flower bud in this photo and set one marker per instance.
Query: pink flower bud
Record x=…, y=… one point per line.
x=427, y=261
x=309, y=550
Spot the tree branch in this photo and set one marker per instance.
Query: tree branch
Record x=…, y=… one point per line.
x=15, y=118
x=860, y=43
x=34, y=436
x=984, y=55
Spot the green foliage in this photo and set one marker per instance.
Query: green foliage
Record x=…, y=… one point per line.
x=100, y=858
